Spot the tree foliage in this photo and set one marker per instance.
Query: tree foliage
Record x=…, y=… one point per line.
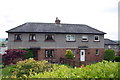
x=117, y=58
x=69, y=54
x=29, y=53
x=13, y=56
x=109, y=55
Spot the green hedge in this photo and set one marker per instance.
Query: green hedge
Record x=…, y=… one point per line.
x=109, y=55
x=103, y=69
x=117, y=58
x=32, y=69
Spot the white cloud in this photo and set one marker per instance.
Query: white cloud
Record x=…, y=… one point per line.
x=100, y=14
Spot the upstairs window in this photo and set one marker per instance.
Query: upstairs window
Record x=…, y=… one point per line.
x=32, y=37
x=96, y=37
x=17, y=37
x=70, y=37
x=49, y=53
x=84, y=38
x=49, y=37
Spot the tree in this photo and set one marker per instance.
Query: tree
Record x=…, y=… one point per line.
x=69, y=54
x=13, y=56
x=109, y=55
x=29, y=53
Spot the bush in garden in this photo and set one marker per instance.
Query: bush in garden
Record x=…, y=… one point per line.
x=7, y=71
x=118, y=53
x=103, y=69
x=29, y=53
x=117, y=58
x=31, y=66
x=69, y=54
x=13, y=56
x=109, y=55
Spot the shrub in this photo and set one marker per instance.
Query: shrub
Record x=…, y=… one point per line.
x=103, y=69
x=13, y=56
x=109, y=55
x=31, y=66
x=7, y=71
x=29, y=53
x=69, y=54
x=117, y=58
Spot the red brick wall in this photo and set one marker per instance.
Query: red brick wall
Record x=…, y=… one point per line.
x=91, y=54
x=59, y=52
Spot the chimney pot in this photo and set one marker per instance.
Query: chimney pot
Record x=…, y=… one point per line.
x=57, y=21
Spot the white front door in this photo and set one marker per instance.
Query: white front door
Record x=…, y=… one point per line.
x=82, y=55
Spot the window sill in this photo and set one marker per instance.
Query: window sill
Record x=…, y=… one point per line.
x=84, y=41
x=96, y=41
x=97, y=55
x=32, y=40
x=49, y=40
x=17, y=40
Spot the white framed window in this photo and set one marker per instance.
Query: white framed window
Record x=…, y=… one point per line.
x=49, y=37
x=97, y=52
x=84, y=38
x=96, y=37
x=49, y=53
x=32, y=37
x=70, y=37
x=109, y=46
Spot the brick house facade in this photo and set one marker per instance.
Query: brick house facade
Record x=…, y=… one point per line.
x=51, y=40
x=90, y=54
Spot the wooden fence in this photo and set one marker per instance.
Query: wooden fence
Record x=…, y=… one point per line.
x=75, y=63
x=70, y=62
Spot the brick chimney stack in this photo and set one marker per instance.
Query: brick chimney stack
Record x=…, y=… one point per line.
x=57, y=21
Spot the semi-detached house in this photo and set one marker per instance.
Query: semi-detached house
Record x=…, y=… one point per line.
x=51, y=40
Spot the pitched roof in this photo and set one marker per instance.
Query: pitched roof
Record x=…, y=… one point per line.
x=110, y=42
x=55, y=28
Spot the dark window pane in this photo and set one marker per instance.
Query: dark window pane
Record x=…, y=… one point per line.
x=96, y=37
x=17, y=36
x=97, y=52
x=49, y=37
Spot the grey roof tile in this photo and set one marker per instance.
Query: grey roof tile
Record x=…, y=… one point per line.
x=55, y=28
x=110, y=42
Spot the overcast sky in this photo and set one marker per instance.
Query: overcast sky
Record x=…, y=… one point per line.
x=99, y=14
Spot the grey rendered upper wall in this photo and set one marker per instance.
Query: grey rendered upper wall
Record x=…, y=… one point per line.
x=60, y=41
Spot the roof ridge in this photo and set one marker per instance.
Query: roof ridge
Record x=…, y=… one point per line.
x=55, y=23
x=50, y=27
